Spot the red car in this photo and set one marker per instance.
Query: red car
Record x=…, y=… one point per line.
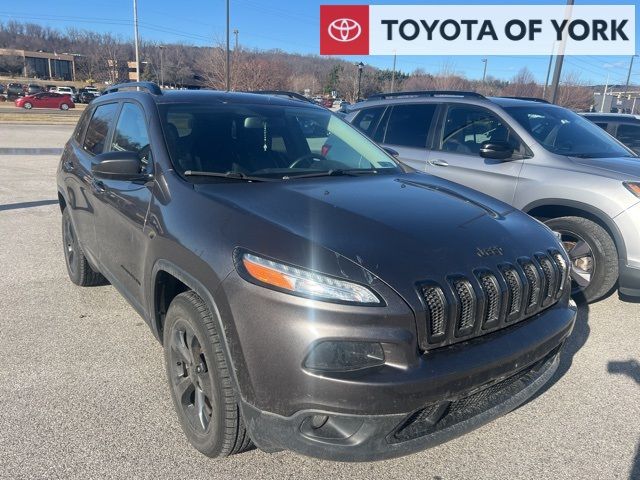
x=46, y=100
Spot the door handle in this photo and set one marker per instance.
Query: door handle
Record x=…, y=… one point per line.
x=439, y=163
x=97, y=186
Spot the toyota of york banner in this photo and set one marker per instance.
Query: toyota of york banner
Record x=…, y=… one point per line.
x=477, y=29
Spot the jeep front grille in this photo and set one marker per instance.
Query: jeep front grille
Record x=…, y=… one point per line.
x=464, y=307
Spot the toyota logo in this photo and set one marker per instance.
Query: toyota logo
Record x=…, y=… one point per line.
x=344, y=30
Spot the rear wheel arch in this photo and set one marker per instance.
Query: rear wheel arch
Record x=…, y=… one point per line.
x=548, y=209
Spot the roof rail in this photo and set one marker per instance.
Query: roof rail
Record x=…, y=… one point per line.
x=150, y=87
x=425, y=93
x=530, y=99
x=282, y=93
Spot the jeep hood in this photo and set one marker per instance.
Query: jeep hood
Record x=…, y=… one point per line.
x=402, y=228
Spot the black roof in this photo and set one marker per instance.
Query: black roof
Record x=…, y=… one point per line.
x=204, y=96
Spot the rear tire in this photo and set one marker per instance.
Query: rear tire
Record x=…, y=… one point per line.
x=593, y=254
x=78, y=268
x=199, y=379
x=27, y=106
x=64, y=106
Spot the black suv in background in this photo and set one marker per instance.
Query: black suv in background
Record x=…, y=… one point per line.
x=624, y=127
x=302, y=299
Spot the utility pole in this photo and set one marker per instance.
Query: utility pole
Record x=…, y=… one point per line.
x=161, y=66
x=393, y=73
x=228, y=66
x=484, y=74
x=546, y=82
x=135, y=38
x=360, y=66
x=236, y=32
x=604, y=95
x=557, y=72
x=626, y=88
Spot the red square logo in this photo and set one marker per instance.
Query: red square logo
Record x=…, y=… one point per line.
x=344, y=29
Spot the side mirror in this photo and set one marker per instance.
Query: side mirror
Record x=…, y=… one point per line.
x=391, y=152
x=119, y=166
x=496, y=150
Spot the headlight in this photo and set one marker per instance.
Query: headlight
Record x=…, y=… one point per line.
x=306, y=283
x=633, y=187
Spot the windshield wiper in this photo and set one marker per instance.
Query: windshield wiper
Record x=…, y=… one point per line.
x=230, y=175
x=353, y=172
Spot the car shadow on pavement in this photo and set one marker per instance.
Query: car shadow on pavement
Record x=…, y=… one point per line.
x=17, y=206
x=630, y=368
x=573, y=344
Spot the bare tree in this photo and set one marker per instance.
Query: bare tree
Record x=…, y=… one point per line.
x=523, y=84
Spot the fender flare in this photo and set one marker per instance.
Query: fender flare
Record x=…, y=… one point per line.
x=207, y=296
x=595, y=212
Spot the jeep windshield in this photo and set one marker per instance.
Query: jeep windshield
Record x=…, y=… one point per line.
x=244, y=142
x=565, y=133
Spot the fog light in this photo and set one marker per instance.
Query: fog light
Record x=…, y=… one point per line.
x=339, y=356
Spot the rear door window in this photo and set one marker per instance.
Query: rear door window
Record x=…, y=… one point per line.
x=629, y=135
x=409, y=125
x=99, y=127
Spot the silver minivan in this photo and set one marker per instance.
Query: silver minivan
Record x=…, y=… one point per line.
x=541, y=158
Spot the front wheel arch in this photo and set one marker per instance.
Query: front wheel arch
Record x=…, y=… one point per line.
x=165, y=267
x=548, y=209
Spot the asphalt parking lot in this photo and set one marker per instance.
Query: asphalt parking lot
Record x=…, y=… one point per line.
x=83, y=393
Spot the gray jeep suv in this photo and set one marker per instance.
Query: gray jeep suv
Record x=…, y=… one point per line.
x=543, y=159
x=302, y=302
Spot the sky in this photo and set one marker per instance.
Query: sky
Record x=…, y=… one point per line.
x=293, y=26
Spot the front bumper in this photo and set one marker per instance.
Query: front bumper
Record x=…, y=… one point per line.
x=629, y=281
x=353, y=438
x=274, y=332
x=628, y=223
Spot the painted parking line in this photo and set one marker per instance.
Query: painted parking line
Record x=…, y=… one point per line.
x=31, y=151
x=37, y=203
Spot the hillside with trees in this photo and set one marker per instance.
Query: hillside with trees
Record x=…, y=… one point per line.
x=102, y=58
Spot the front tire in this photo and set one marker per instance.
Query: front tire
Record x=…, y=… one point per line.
x=78, y=268
x=593, y=254
x=27, y=106
x=199, y=379
x=64, y=106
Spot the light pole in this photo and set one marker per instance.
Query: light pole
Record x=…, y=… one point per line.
x=555, y=83
x=228, y=82
x=161, y=66
x=626, y=88
x=484, y=73
x=135, y=38
x=235, y=33
x=393, y=74
x=360, y=66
